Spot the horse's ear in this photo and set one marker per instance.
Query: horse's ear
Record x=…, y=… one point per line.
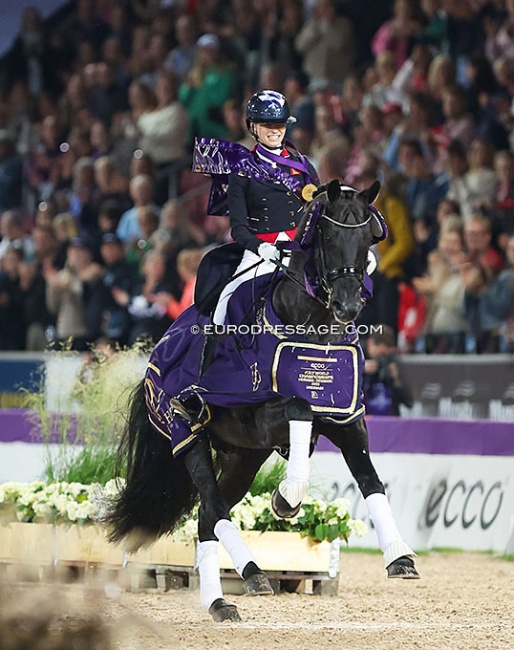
x=334, y=190
x=370, y=194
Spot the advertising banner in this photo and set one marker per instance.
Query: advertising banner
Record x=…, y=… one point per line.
x=439, y=501
x=462, y=387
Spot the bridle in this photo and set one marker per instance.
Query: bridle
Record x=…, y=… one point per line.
x=315, y=266
x=328, y=276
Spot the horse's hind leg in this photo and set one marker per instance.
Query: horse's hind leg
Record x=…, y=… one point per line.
x=214, y=524
x=352, y=440
x=238, y=469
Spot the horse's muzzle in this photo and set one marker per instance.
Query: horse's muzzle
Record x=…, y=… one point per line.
x=347, y=311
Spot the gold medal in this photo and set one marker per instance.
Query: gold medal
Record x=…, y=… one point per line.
x=308, y=191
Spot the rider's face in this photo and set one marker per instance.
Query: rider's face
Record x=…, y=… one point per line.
x=271, y=135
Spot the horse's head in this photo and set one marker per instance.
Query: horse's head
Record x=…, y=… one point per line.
x=344, y=228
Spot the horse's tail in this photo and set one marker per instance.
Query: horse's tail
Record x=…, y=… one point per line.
x=158, y=489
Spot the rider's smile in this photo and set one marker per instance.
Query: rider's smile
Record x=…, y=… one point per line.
x=271, y=135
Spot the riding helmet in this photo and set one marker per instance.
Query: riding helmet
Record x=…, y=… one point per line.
x=268, y=107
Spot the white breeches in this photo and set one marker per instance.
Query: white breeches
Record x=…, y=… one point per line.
x=249, y=259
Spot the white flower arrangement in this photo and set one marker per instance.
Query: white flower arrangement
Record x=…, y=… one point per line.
x=75, y=503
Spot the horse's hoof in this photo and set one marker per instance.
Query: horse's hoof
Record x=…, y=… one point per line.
x=258, y=585
x=281, y=508
x=221, y=610
x=403, y=567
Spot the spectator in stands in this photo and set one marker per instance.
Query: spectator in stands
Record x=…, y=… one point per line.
x=392, y=254
x=396, y=34
x=416, y=124
x=141, y=192
x=233, y=118
x=148, y=221
x=332, y=158
x=327, y=44
x=412, y=76
x=500, y=35
x=444, y=289
x=107, y=98
x=116, y=321
x=10, y=173
x=278, y=34
x=109, y=215
x=383, y=387
x=188, y=261
x=473, y=182
x=14, y=235
x=489, y=304
x=163, y=134
x=423, y=189
x=209, y=84
x=149, y=316
x=74, y=295
x=36, y=314
x=501, y=209
x=12, y=323
x=27, y=56
x=368, y=137
x=383, y=91
x=459, y=123
x=155, y=59
x=441, y=75
x=181, y=58
x=426, y=234
x=113, y=55
x=65, y=229
x=141, y=99
x=43, y=167
x=350, y=103
x=100, y=139
x=82, y=202
x=73, y=101
x=87, y=26
x=302, y=106
x=481, y=253
x=111, y=185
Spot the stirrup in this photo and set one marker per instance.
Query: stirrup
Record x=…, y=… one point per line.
x=191, y=408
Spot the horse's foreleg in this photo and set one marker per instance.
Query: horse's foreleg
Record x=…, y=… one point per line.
x=287, y=498
x=352, y=440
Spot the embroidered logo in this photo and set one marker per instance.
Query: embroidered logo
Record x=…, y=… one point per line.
x=256, y=376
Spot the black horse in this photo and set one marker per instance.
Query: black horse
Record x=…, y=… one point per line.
x=338, y=228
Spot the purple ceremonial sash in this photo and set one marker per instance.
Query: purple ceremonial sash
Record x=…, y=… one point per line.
x=300, y=166
x=219, y=158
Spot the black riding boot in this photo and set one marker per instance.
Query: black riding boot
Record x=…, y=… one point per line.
x=209, y=351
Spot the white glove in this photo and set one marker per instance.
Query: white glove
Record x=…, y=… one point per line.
x=268, y=252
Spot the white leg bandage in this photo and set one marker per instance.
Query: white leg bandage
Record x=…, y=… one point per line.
x=389, y=537
x=229, y=536
x=209, y=569
x=294, y=488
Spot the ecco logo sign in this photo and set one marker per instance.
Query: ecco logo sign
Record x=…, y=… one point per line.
x=464, y=505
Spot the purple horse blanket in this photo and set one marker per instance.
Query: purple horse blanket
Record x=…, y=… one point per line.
x=262, y=360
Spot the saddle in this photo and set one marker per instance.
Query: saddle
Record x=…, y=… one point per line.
x=216, y=268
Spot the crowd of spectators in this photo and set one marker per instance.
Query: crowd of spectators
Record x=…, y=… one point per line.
x=103, y=223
